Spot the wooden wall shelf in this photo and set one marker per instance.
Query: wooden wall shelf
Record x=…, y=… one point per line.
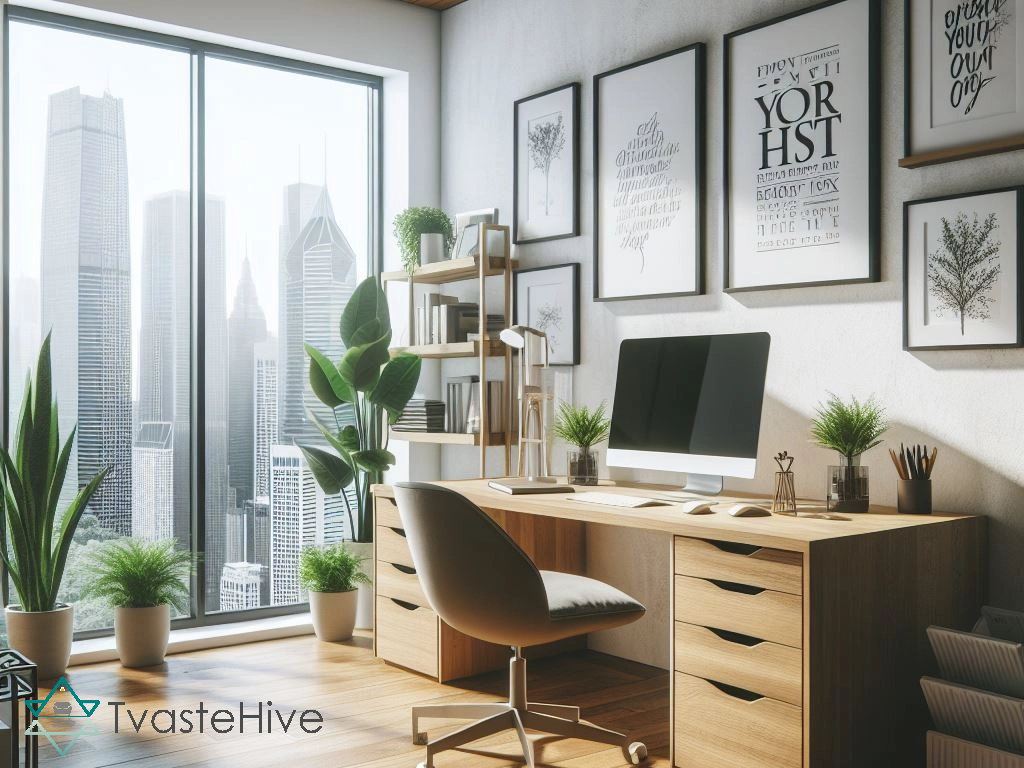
x=450, y=271
x=446, y=351
x=494, y=440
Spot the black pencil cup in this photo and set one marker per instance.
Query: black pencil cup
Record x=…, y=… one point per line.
x=914, y=497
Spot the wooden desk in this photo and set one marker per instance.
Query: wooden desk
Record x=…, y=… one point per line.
x=795, y=641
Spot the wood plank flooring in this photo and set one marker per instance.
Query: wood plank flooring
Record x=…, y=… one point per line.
x=365, y=705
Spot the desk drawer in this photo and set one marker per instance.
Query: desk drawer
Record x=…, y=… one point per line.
x=387, y=513
x=399, y=581
x=766, y=615
x=769, y=669
x=392, y=546
x=716, y=728
x=407, y=635
x=776, y=569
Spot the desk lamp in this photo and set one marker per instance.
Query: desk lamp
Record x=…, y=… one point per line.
x=535, y=395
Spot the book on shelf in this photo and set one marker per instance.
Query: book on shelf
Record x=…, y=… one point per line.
x=422, y=416
x=447, y=321
x=463, y=405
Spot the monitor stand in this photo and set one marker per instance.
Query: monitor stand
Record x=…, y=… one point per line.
x=696, y=486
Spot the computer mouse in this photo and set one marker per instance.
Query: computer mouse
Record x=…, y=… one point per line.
x=748, y=510
x=696, y=507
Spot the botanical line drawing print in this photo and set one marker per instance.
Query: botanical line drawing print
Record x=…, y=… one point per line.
x=546, y=141
x=962, y=273
x=549, y=320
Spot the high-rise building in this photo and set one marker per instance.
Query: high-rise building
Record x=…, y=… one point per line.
x=247, y=328
x=85, y=287
x=153, y=485
x=264, y=413
x=248, y=539
x=240, y=587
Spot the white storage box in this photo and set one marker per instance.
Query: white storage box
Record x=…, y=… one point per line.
x=990, y=719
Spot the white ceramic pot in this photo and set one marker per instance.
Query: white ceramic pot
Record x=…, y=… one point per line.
x=43, y=636
x=364, y=601
x=431, y=247
x=141, y=635
x=334, y=614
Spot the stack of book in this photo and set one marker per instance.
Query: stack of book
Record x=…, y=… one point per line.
x=421, y=416
x=445, y=320
x=464, y=405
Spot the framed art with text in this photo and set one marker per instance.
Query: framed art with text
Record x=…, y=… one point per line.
x=548, y=299
x=546, y=156
x=649, y=177
x=962, y=257
x=964, y=80
x=801, y=149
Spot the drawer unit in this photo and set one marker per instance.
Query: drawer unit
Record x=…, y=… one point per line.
x=392, y=546
x=775, y=569
x=731, y=728
x=764, y=614
x=387, y=513
x=407, y=635
x=399, y=581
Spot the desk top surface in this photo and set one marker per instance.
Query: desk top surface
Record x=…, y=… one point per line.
x=783, y=531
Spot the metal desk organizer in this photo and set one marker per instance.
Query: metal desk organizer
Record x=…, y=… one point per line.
x=18, y=680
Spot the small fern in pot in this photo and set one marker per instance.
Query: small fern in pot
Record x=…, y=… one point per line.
x=331, y=575
x=584, y=428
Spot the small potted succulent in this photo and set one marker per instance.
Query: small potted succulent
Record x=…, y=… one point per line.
x=583, y=428
x=331, y=575
x=849, y=429
x=424, y=235
x=141, y=580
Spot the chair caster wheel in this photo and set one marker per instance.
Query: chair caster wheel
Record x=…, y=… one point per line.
x=637, y=752
x=419, y=739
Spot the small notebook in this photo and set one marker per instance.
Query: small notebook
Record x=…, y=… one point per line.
x=517, y=486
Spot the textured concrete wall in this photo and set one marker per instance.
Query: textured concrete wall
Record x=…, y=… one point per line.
x=845, y=339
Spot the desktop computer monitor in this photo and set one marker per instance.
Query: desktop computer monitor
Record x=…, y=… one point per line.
x=690, y=404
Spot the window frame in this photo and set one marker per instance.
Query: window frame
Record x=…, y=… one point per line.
x=198, y=52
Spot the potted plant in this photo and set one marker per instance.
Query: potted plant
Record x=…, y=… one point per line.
x=373, y=387
x=331, y=575
x=35, y=541
x=583, y=428
x=141, y=580
x=850, y=429
x=424, y=235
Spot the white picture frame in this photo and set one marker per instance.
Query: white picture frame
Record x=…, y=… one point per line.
x=467, y=231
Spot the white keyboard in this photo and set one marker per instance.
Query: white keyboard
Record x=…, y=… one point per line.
x=616, y=500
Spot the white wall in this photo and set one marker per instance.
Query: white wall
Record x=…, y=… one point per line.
x=845, y=339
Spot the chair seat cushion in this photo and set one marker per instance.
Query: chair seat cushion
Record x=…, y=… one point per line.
x=572, y=597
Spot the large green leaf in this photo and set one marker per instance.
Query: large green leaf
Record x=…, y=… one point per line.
x=325, y=381
x=69, y=523
x=360, y=367
x=397, y=384
x=374, y=460
x=331, y=473
x=368, y=304
x=349, y=439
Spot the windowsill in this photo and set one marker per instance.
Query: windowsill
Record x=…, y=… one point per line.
x=100, y=649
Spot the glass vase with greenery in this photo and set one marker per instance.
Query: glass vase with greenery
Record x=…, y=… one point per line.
x=850, y=429
x=411, y=223
x=373, y=387
x=584, y=428
x=331, y=569
x=130, y=573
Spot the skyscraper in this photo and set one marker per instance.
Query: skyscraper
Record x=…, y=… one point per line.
x=85, y=286
x=264, y=413
x=240, y=587
x=153, y=488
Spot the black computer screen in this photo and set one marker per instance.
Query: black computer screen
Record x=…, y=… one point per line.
x=690, y=394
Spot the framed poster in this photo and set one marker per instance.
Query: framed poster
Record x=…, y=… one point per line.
x=801, y=149
x=546, y=156
x=962, y=257
x=963, y=79
x=649, y=177
x=548, y=299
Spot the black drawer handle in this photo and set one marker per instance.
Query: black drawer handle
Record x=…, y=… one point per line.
x=736, y=637
x=734, y=548
x=399, y=531
x=736, y=693
x=744, y=589
x=404, y=604
x=404, y=569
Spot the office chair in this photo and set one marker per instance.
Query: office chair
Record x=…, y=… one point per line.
x=478, y=580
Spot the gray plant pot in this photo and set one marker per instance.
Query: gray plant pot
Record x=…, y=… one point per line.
x=141, y=635
x=43, y=636
x=334, y=614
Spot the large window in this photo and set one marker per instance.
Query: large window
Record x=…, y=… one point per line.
x=182, y=218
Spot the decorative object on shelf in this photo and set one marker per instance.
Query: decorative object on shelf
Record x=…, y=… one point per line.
x=374, y=387
x=416, y=227
x=584, y=428
x=548, y=299
x=546, y=157
x=18, y=681
x=141, y=580
x=467, y=231
x=964, y=90
x=962, y=262
x=35, y=541
x=535, y=392
x=332, y=575
x=802, y=139
x=649, y=177
x=850, y=429
x=784, y=498
x=914, y=486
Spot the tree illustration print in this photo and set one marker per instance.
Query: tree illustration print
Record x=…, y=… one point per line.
x=546, y=141
x=965, y=269
x=549, y=320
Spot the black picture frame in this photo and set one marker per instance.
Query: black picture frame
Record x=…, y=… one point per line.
x=574, y=132
x=1016, y=257
x=573, y=279
x=872, y=161
x=699, y=170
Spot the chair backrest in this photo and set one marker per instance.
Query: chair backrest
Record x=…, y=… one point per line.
x=473, y=574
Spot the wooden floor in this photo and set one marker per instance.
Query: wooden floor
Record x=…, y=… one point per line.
x=365, y=705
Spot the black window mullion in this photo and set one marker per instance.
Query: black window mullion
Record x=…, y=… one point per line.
x=198, y=325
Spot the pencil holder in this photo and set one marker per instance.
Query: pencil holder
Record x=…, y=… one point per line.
x=914, y=497
x=784, y=499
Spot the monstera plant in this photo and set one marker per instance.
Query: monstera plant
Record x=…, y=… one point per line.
x=369, y=386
